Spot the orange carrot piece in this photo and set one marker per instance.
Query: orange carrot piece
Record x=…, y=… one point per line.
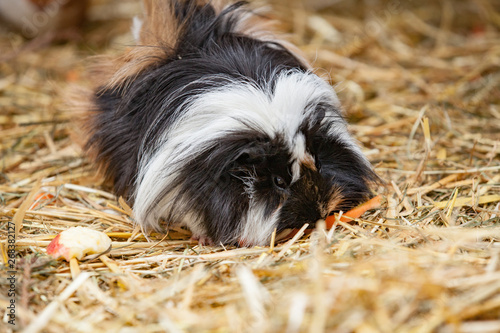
x=39, y=198
x=356, y=212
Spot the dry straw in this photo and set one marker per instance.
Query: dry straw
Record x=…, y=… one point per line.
x=420, y=85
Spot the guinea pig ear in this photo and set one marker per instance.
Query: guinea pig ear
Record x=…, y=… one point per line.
x=251, y=155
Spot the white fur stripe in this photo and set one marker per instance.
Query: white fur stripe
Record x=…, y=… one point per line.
x=257, y=228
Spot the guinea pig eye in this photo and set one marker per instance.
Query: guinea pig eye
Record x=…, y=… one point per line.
x=279, y=182
x=318, y=164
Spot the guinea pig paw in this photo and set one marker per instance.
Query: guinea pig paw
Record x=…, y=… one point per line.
x=202, y=240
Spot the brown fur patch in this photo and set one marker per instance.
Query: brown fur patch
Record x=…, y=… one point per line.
x=81, y=108
x=308, y=162
x=335, y=201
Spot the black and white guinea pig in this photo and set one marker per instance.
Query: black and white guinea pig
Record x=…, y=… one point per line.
x=212, y=122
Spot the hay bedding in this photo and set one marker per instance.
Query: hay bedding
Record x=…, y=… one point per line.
x=420, y=83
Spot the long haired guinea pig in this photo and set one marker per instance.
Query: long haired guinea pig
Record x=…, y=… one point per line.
x=213, y=123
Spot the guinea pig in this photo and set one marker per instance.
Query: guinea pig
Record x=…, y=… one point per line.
x=213, y=122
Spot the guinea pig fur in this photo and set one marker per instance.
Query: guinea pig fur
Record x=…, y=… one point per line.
x=212, y=122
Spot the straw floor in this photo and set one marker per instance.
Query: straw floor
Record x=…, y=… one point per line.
x=419, y=81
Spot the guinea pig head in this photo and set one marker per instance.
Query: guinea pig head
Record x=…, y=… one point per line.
x=288, y=184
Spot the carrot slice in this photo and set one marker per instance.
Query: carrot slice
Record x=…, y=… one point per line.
x=39, y=198
x=356, y=212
